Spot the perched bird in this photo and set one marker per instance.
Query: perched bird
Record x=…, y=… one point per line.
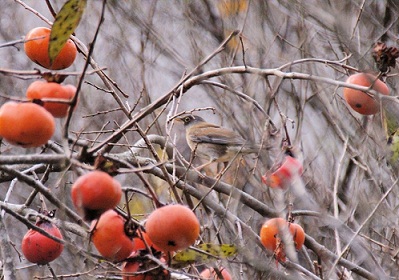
x=213, y=142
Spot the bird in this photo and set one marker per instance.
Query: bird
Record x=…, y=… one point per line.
x=213, y=142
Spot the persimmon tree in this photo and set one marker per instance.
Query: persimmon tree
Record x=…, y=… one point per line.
x=274, y=71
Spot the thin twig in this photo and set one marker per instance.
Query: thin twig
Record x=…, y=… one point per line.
x=79, y=86
x=335, y=197
x=360, y=228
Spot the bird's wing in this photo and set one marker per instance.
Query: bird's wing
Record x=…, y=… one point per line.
x=216, y=135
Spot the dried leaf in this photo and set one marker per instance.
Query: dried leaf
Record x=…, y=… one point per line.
x=384, y=57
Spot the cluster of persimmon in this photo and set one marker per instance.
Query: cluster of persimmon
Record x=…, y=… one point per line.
x=167, y=229
x=31, y=124
x=282, y=176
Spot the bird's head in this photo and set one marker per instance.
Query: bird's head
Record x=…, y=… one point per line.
x=189, y=119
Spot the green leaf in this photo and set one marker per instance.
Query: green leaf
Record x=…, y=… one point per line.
x=204, y=253
x=64, y=25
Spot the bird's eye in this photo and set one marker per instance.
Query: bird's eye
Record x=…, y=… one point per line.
x=187, y=119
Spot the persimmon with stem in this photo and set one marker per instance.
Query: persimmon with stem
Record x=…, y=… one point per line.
x=109, y=237
x=40, y=249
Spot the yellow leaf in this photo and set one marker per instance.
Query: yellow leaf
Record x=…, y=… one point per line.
x=204, y=253
x=64, y=25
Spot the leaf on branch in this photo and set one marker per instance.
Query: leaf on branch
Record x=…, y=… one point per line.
x=205, y=253
x=65, y=23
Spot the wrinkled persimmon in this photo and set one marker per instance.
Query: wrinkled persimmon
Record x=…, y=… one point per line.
x=41, y=249
x=36, y=48
x=26, y=124
x=271, y=236
x=109, y=237
x=39, y=90
x=360, y=101
x=94, y=193
x=172, y=227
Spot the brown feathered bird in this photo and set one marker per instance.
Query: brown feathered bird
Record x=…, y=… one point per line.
x=213, y=142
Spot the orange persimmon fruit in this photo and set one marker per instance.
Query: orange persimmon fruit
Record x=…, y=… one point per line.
x=36, y=48
x=109, y=237
x=172, y=227
x=271, y=232
x=360, y=101
x=39, y=90
x=94, y=193
x=26, y=124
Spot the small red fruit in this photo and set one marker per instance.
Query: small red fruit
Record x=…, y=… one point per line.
x=109, y=237
x=42, y=89
x=360, y=101
x=289, y=170
x=26, y=124
x=40, y=249
x=36, y=48
x=270, y=236
x=210, y=273
x=172, y=227
x=94, y=193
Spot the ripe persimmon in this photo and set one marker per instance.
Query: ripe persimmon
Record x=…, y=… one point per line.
x=360, y=101
x=40, y=249
x=42, y=89
x=140, y=268
x=270, y=236
x=36, y=48
x=211, y=274
x=94, y=193
x=290, y=169
x=109, y=237
x=172, y=227
x=26, y=124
